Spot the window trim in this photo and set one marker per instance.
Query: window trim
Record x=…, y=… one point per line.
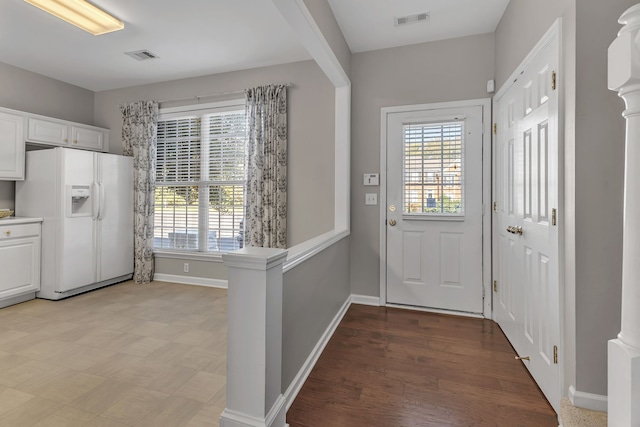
x=205, y=108
x=170, y=113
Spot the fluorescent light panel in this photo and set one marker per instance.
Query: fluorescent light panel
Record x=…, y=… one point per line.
x=81, y=14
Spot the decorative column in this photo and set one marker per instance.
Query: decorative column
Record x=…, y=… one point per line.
x=624, y=352
x=254, y=339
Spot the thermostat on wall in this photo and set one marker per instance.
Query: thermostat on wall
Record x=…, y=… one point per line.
x=371, y=179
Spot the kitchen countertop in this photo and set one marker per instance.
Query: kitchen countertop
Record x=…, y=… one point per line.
x=18, y=220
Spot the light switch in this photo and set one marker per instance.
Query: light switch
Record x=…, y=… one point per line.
x=371, y=179
x=371, y=199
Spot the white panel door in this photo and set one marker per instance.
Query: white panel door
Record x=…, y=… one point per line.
x=434, y=208
x=526, y=235
x=115, y=216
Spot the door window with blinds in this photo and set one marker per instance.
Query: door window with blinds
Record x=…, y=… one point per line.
x=433, y=169
x=200, y=178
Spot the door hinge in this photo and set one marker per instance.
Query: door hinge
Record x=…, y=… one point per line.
x=495, y=128
x=495, y=286
x=554, y=216
x=553, y=80
x=495, y=206
x=555, y=354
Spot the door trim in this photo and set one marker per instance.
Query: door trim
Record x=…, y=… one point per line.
x=487, y=262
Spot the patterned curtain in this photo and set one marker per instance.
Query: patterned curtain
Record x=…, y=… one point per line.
x=139, y=128
x=266, y=195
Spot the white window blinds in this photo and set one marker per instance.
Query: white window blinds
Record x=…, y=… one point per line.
x=199, y=202
x=433, y=168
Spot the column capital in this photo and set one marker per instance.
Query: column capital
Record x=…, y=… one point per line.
x=254, y=258
x=624, y=52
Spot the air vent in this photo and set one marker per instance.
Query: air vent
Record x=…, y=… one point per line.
x=411, y=19
x=142, y=55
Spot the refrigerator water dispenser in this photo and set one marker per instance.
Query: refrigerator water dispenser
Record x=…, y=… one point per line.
x=79, y=200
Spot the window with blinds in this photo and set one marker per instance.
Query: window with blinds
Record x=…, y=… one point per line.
x=433, y=168
x=200, y=172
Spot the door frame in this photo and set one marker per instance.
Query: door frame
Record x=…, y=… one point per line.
x=487, y=261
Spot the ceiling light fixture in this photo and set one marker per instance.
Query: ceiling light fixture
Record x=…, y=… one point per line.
x=80, y=13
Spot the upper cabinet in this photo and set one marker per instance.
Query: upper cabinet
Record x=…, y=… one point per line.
x=18, y=128
x=11, y=146
x=66, y=134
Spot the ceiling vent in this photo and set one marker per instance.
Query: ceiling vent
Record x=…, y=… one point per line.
x=142, y=55
x=411, y=19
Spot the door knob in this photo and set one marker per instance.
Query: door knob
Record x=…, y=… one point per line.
x=515, y=230
x=392, y=222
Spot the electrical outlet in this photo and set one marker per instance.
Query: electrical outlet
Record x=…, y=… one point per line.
x=186, y=267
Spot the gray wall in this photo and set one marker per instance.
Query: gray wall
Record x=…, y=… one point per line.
x=600, y=136
x=326, y=21
x=311, y=133
x=26, y=91
x=199, y=269
x=448, y=70
x=313, y=293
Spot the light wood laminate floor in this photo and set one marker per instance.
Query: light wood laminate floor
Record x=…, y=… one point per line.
x=126, y=355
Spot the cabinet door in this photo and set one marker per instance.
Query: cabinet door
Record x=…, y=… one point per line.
x=19, y=266
x=11, y=147
x=90, y=139
x=48, y=132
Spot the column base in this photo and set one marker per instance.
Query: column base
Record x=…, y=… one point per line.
x=624, y=385
x=275, y=417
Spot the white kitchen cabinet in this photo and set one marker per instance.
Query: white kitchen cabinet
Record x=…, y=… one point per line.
x=66, y=134
x=20, y=244
x=84, y=137
x=48, y=132
x=11, y=146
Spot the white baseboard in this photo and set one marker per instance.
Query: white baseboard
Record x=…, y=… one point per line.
x=437, y=311
x=297, y=383
x=595, y=402
x=365, y=300
x=189, y=280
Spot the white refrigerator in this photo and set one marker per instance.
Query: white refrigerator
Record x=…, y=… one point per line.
x=86, y=202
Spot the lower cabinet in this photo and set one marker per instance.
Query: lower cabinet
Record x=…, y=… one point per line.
x=19, y=262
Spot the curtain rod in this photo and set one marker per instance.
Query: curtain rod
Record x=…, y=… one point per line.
x=211, y=95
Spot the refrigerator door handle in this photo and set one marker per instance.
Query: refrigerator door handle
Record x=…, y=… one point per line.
x=95, y=194
x=101, y=202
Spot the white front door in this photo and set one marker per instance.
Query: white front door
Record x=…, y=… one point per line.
x=434, y=206
x=526, y=234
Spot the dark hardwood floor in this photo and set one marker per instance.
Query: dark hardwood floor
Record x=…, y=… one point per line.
x=390, y=367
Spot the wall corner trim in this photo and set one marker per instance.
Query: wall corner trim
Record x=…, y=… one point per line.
x=310, y=248
x=365, y=300
x=581, y=399
x=189, y=280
